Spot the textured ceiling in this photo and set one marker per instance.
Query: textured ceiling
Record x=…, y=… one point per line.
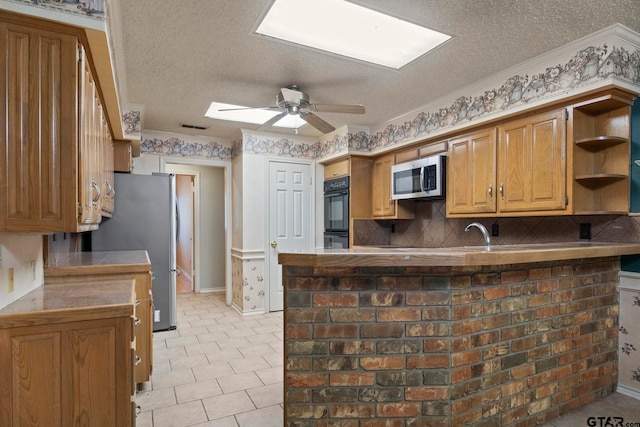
x=178, y=56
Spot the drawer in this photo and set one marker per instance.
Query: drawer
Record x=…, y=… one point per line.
x=337, y=169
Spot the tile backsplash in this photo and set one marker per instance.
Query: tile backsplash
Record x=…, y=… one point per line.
x=431, y=228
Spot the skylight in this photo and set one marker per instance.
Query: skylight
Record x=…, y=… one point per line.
x=347, y=29
x=252, y=115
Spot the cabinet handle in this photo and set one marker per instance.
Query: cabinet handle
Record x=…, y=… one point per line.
x=390, y=202
x=137, y=321
x=137, y=303
x=110, y=191
x=502, y=191
x=138, y=360
x=97, y=198
x=490, y=191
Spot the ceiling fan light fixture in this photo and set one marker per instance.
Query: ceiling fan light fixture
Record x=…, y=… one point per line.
x=239, y=113
x=351, y=30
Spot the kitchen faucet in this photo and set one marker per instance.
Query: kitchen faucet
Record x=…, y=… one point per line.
x=482, y=228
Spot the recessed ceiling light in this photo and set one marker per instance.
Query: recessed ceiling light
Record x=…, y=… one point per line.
x=239, y=113
x=351, y=30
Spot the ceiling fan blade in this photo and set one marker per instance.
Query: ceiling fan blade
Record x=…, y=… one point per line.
x=271, y=121
x=338, y=108
x=317, y=122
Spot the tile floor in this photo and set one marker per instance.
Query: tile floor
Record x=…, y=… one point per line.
x=220, y=369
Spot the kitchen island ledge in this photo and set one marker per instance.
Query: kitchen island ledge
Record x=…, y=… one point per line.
x=413, y=337
x=371, y=256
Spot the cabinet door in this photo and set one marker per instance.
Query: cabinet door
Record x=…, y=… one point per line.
x=471, y=184
x=90, y=168
x=67, y=374
x=38, y=145
x=107, y=168
x=382, y=203
x=532, y=168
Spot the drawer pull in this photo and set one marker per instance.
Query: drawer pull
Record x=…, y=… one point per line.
x=138, y=360
x=138, y=410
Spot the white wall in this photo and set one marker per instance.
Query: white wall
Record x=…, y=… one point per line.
x=17, y=252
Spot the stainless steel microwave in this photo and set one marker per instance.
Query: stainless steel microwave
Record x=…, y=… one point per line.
x=419, y=179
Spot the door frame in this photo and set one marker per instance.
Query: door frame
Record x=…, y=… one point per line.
x=195, y=176
x=267, y=215
x=164, y=160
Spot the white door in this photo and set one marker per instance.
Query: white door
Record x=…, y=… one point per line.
x=290, y=222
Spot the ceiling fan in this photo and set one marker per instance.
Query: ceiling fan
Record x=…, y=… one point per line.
x=292, y=100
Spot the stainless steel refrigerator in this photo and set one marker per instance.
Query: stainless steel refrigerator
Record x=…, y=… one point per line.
x=145, y=218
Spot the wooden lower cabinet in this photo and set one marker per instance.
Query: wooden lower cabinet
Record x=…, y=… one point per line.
x=143, y=331
x=67, y=374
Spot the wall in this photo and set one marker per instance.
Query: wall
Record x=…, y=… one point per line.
x=17, y=252
x=629, y=338
x=431, y=228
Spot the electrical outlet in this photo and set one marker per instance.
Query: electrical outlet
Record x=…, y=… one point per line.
x=156, y=316
x=10, y=284
x=495, y=230
x=585, y=231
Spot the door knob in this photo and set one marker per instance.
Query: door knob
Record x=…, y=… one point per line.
x=274, y=244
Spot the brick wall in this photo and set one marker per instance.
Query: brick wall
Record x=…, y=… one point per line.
x=448, y=346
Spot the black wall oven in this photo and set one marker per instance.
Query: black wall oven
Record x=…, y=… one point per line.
x=336, y=213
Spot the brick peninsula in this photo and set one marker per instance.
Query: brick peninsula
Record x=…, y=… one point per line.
x=512, y=336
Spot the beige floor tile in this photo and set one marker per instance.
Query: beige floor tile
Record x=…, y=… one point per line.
x=188, y=362
x=224, y=355
x=197, y=390
x=155, y=399
x=168, y=353
x=202, y=348
x=238, y=382
x=181, y=415
x=228, y=404
x=271, y=375
x=257, y=350
x=268, y=395
x=248, y=364
x=181, y=341
x=144, y=419
x=212, y=371
x=265, y=417
x=172, y=378
x=275, y=359
x=193, y=331
x=221, y=422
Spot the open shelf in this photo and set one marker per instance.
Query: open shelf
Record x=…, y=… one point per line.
x=601, y=155
x=600, y=178
x=598, y=143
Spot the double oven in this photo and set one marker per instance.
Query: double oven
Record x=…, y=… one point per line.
x=336, y=213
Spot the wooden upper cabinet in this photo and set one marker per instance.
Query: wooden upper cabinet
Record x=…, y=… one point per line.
x=382, y=205
x=337, y=169
x=471, y=181
x=532, y=167
x=50, y=153
x=381, y=201
x=123, y=158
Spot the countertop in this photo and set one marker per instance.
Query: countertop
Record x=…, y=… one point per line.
x=57, y=303
x=455, y=256
x=103, y=262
